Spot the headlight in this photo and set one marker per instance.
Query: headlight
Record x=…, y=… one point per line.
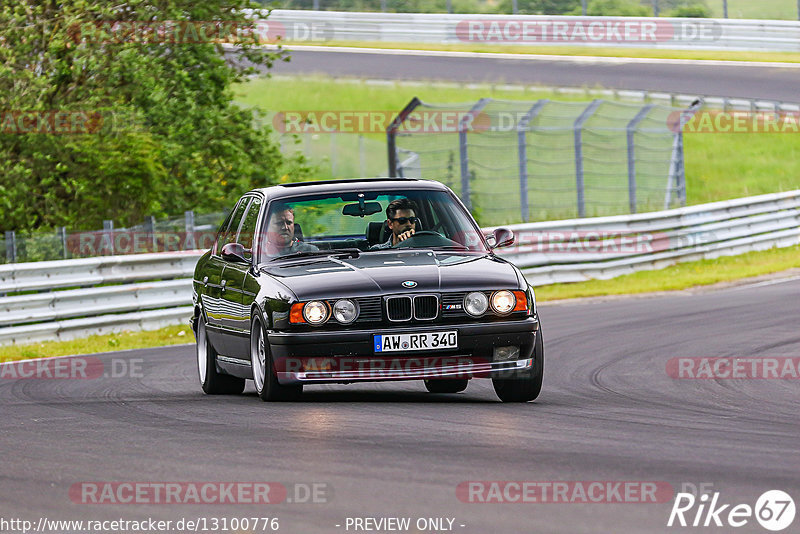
x=503, y=302
x=476, y=303
x=345, y=311
x=315, y=312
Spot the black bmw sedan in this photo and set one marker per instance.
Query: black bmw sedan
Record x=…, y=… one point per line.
x=362, y=280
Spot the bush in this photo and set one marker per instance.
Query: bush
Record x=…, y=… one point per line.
x=694, y=11
x=617, y=8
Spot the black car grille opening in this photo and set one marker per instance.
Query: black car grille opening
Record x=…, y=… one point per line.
x=369, y=309
x=398, y=308
x=453, y=304
x=426, y=307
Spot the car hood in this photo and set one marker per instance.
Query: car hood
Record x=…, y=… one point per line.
x=380, y=272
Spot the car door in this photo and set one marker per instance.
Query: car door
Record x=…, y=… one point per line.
x=216, y=300
x=237, y=323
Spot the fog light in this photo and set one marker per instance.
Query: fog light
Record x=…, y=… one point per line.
x=502, y=354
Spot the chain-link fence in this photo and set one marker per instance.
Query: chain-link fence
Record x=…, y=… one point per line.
x=189, y=232
x=513, y=161
x=338, y=155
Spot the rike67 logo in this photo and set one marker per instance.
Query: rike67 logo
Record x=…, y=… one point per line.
x=774, y=510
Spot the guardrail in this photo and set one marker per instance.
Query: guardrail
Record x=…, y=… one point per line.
x=606, y=247
x=547, y=252
x=317, y=27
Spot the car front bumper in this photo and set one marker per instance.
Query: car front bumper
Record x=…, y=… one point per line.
x=349, y=356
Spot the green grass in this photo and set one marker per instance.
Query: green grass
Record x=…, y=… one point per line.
x=558, y=50
x=680, y=276
x=171, y=335
x=718, y=166
x=749, y=9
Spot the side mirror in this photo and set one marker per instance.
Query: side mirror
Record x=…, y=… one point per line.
x=234, y=252
x=503, y=237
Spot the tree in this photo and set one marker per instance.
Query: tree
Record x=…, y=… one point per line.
x=143, y=94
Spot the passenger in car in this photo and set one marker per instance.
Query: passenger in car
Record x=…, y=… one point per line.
x=401, y=219
x=281, y=238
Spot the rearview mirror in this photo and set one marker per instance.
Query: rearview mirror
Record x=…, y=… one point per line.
x=235, y=252
x=362, y=209
x=503, y=237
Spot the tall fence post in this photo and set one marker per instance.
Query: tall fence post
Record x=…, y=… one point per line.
x=150, y=229
x=579, y=123
x=725, y=8
x=61, y=232
x=522, y=151
x=391, y=134
x=677, y=171
x=463, y=127
x=108, y=235
x=188, y=228
x=11, y=246
x=584, y=7
x=631, y=130
x=655, y=8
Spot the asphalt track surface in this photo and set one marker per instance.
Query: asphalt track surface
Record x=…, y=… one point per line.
x=608, y=412
x=738, y=80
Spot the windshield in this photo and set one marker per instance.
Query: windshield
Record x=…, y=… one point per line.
x=366, y=222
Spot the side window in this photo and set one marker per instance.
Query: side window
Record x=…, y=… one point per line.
x=229, y=235
x=249, y=227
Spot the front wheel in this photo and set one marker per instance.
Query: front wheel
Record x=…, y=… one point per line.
x=446, y=385
x=212, y=381
x=525, y=386
x=264, y=376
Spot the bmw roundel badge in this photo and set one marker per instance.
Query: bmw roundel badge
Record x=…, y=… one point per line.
x=409, y=283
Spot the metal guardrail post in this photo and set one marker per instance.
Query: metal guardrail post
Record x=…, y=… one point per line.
x=391, y=134
x=522, y=151
x=632, y=155
x=579, y=123
x=463, y=127
x=61, y=232
x=11, y=247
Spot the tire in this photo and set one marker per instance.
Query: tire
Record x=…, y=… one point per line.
x=264, y=377
x=527, y=386
x=212, y=381
x=446, y=385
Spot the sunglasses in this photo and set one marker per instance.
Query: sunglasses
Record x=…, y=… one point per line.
x=405, y=220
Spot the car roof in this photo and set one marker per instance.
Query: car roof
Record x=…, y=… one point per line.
x=361, y=184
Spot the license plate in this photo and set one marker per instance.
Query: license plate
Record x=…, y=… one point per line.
x=412, y=342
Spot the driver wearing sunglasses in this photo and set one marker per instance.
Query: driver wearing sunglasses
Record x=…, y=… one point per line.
x=401, y=219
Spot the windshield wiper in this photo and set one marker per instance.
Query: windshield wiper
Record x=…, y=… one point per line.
x=351, y=252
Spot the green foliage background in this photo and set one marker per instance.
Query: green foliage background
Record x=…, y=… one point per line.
x=171, y=138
